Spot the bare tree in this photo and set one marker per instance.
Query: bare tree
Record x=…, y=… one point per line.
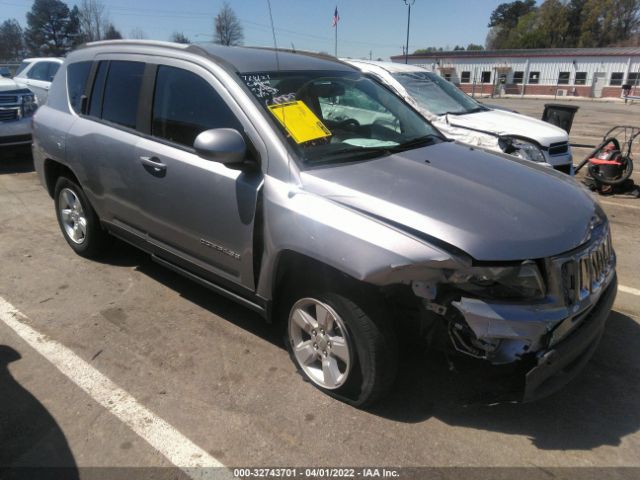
x=94, y=20
x=228, y=28
x=137, y=33
x=180, y=37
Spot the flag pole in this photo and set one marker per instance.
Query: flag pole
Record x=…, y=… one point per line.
x=336, y=41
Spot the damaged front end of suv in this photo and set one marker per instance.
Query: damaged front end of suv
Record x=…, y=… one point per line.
x=544, y=317
x=520, y=280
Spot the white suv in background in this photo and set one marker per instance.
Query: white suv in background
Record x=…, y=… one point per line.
x=461, y=118
x=37, y=74
x=17, y=106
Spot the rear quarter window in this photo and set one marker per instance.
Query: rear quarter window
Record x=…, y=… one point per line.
x=95, y=102
x=77, y=75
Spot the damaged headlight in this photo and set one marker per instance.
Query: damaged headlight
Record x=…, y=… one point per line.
x=29, y=105
x=521, y=148
x=522, y=281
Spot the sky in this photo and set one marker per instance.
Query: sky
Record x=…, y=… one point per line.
x=367, y=27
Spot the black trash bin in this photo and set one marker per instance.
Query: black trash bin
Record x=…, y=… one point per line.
x=559, y=115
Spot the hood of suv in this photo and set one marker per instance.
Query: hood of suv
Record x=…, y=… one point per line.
x=508, y=123
x=491, y=207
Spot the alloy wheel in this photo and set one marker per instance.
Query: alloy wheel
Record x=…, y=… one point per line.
x=320, y=343
x=72, y=216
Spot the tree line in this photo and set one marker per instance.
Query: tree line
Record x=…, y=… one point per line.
x=53, y=29
x=564, y=24
x=471, y=46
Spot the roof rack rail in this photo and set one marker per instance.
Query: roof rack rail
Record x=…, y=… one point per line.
x=150, y=43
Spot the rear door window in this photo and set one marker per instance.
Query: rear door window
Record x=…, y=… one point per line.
x=77, y=75
x=40, y=71
x=185, y=105
x=122, y=92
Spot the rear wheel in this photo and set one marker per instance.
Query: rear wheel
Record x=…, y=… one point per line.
x=341, y=349
x=77, y=219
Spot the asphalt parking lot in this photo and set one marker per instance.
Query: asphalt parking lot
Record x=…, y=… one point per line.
x=182, y=373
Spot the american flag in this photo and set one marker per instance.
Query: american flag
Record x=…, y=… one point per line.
x=336, y=18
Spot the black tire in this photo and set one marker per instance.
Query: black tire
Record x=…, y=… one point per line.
x=95, y=240
x=372, y=341
x=594, y=171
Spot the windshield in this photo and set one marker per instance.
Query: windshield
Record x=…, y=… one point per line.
x=436, y=94
x=22, y=66
x=335, y=117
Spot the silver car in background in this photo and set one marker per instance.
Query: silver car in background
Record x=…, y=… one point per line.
x=224, y=165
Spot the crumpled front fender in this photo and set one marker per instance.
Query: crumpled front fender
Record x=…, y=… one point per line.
x=341, y=237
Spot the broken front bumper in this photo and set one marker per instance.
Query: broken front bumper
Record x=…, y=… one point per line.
x=560, y=364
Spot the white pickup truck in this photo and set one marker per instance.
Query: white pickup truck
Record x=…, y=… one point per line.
x=462, y=118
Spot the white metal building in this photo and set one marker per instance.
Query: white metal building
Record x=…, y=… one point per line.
x=587, y=72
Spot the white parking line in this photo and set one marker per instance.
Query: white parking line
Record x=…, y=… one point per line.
x=632, y=291
x=623, y=205
x=162, y=436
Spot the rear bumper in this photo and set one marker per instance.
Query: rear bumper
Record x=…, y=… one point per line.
x=558, y=366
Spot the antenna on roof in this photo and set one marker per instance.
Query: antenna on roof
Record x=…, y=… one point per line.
x=273, y=32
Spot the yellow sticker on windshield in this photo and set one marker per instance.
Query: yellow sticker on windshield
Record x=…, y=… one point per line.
x=299, y=121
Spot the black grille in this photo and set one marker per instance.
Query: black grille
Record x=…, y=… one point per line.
x=8, y=114
x=559, y=148
x=586, y=272
x=8, y=99
x=564, y=168
x=569, y=282
x=14, y=139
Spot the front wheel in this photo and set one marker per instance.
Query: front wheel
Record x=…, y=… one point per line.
x=340, y=348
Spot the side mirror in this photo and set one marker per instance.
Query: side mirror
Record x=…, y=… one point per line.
x=224, y=145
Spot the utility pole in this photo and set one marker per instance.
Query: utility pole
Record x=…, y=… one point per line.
x=408, y=3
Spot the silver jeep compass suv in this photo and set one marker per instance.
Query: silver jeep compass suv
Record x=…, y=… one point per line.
x=223, y=164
